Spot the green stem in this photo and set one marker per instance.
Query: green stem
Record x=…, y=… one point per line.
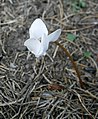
x=72, y=61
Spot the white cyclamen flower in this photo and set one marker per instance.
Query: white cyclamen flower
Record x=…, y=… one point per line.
x=39, y=39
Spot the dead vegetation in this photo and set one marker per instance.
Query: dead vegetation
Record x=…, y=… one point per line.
x=49, y=88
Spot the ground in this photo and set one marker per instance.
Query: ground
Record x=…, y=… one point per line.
x=49, y=87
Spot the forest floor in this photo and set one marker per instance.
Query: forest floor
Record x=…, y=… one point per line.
x=49, y=88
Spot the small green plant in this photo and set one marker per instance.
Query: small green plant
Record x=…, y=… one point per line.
x=87, y=54
x=82, y=3
x=78, y=4
x=71, y=37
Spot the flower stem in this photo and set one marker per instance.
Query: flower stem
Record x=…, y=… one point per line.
x=72, y=61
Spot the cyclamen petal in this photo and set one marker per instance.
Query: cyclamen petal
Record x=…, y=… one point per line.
x=39, y=38
x=33, y=46
x=37, y=29
x=54, y=36
x=44, y=43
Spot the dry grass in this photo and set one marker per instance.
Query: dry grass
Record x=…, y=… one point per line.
x=48, y=88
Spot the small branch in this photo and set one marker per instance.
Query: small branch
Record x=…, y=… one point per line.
x=72, y=61
x=79, y=97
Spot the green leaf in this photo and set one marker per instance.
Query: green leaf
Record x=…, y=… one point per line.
x=78, y=4
x=87, y=54
x=71, y=37
x=75, y=7
x=82, y=4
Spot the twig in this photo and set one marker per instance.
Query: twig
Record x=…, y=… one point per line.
x=79, y=97
x=10, y=103
x=9, y=22
x=88, y=93
x=79, y=29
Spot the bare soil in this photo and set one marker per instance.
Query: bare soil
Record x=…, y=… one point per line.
x=49, y=88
